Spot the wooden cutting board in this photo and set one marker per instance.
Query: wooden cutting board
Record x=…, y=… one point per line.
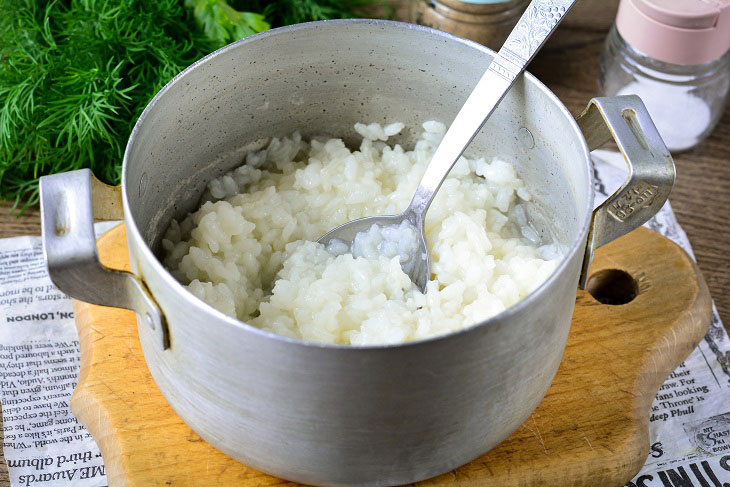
x=591, y=429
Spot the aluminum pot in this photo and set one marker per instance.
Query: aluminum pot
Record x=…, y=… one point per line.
x=342, y=415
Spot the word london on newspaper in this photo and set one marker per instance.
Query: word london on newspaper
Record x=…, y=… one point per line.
x=44, y=444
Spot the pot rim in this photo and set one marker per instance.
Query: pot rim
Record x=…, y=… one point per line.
x=140, y=244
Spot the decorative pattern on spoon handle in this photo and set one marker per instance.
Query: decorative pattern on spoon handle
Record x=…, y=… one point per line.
x=533, y=28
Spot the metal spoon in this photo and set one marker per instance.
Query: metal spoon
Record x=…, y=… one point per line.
x=525, y=40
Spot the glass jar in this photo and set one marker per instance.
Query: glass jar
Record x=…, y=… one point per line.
x=677, y=66
x=488, y=22
x=684, y=101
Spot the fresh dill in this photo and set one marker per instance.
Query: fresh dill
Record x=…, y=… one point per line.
x=76, y=74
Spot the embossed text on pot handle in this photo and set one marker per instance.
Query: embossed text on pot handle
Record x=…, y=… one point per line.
x=69, y=202
x=625, y=120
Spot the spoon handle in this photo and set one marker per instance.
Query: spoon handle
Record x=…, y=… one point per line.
x=528, y=36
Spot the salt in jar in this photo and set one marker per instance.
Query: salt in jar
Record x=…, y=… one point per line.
x=675, y=55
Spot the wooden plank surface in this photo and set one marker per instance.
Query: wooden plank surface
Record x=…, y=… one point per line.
x=568, y=65
x=591, y=429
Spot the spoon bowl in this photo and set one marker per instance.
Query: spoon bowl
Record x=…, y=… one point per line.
x=417, y=266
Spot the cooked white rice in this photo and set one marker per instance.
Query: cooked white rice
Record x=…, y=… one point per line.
x=251, y=252
x=387, y=241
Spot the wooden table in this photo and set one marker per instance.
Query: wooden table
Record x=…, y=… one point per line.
x=568, y=65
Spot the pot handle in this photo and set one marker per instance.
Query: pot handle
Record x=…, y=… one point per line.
x=626, y=120
x=69, y=202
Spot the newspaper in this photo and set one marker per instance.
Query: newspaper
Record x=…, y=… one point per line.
x=39, y=365
x=689, y=421
x=39, y=361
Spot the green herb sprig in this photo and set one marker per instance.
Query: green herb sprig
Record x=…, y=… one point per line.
x=76, y=74
x=287, y=12
x=74, y=77
x=223, y=24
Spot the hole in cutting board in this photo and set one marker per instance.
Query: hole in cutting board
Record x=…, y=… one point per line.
x=613, y=286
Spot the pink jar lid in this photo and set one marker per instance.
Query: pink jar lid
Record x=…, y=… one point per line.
x=676, y=31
